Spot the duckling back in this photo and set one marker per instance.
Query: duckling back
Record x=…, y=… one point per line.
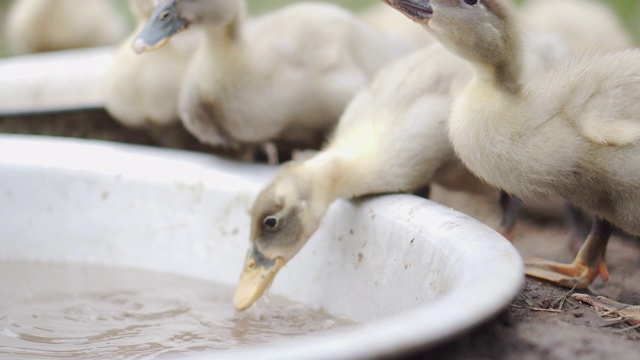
x=344, y=55
x=287, y=78
x=393, y=134
x=46, y=25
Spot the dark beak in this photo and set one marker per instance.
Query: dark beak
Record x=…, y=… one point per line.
x=165, y=22
x=417, y=10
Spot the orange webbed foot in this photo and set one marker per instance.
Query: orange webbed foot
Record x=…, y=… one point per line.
x=576, y=275
x=587, y=266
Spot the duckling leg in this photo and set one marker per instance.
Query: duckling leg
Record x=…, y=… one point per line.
x=264, y=152
x=423, y=191
x=588, y=264
x=577, y=226
x=271, y=150
x=510, y=208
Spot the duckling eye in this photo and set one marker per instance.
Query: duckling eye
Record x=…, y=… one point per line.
x=164, y=15
x=270, y=223
x=471, y=2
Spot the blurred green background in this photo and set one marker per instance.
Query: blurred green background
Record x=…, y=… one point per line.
x=628, y=10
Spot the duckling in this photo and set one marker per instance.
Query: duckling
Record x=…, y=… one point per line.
x=391, y=138
x=582, y=26
x=45, y=25
x=570, y=133
x=143, y=91
x=285, y=77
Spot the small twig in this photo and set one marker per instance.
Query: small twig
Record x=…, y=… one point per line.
x=637, y=327
x=614, y=322
x=563, y=298
x=614, y=311
x=546, y=310
x=528, y=300
x=570, y=302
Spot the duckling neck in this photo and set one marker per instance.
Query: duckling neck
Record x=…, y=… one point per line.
x=326, y=173
x=497, y=57
x=222, y=52
x=502, y=72
x=504, y=76
x=225, y=39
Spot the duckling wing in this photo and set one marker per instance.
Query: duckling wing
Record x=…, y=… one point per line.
x=615, y=132
x=601, y=97
x=393, y=134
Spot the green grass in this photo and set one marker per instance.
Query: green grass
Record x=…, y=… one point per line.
x=629, y=12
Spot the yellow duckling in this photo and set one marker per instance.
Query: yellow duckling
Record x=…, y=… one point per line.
x=284, y=77
x=571, y=133
x=581, y=26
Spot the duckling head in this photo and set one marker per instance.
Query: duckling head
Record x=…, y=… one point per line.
x=283, y=217
x=172, y=16
x=480, y=31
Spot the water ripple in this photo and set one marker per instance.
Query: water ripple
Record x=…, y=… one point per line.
x=79, y=312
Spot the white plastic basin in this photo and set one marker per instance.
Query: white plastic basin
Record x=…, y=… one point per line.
x=410, y=271
x=52, y=81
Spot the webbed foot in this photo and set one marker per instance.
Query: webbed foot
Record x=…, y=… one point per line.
x=588, y=264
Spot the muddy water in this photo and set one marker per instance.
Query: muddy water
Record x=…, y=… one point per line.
x=71, y=311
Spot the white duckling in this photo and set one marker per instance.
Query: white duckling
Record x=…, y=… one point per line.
x=284, y=77
x=49, y=25
x=143, y=90
x=571, y=133
x=582, y=26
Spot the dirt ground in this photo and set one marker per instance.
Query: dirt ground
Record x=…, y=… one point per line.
x=543, y=322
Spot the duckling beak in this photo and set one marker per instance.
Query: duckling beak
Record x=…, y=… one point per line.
x=165, y=22
x=258, y=274
x=417, y=10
